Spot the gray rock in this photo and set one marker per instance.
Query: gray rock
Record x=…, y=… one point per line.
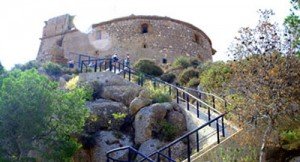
x=137, y=104
x=178, y=120
x=103, y=110
x=111, y=86
x=108, y=140
x=146, y=119
x=150, y=146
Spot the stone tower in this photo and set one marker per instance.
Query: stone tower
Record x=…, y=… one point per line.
x=150, y=37
x=52, y=41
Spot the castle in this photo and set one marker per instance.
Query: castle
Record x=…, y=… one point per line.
x=151, y=37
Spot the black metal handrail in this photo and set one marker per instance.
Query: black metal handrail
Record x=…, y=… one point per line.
x=186, y=97
x=187, y=138
x=131, y=153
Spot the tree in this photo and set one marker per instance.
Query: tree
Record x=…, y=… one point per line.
x=267, y=75
x=36, y=115
x=1, y=69
x=292, y=23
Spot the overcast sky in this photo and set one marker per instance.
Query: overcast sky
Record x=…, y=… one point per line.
x=22, y=21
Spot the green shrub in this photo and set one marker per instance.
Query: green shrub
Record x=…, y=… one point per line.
x=169, y=77
x=182, y=61
x=53, y=69
x=291, y=139
x=159, y=94
x=167, y=130
x=27, y=66
x=194, y=82
x=195, y=62
x=148, y=67
x=186, y=75
x=214, y=75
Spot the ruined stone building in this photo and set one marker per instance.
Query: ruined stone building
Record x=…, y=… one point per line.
x=151, y=37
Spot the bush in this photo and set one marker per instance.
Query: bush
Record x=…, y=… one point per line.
x=194, y=82
x=182, y=61
x=195, y=62
x=53, y=69
x=215, y=75
x=27, y=66
x=148, y=67
x=169, y=77
x=187, y=75
x=167, y=131
x=159, y=95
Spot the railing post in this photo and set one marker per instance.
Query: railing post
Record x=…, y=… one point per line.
x=124, y=73
x=177, y=95
x=223, y=127
x=188, y=149
x=188, y=102
x=129, y=74
x=213, y=101
x=81, y=67
x=197, y=139
x=129, y=155
x=169, y=153
x=158, y=157
x=208, y=114
x=198, y=113
x=79, y=62
x=200, y=97
x=110, y=64
x=95, y=66
x=218, y=134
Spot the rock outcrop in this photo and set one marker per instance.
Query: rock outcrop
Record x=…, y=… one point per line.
x=103, y=110
x=111, y=86
x=108, y=140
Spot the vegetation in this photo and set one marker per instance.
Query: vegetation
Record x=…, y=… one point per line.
x=188, y=74
x=33, y=64
x=35, y=115
x=159, y=94
x=148, y=67
x=214, y=76
x=2, y=70
x=182, y=62
x=194, y=82
x=266, y=73
x=167, y=131
x=53, y=69
x=168, y=77
x=185, y=62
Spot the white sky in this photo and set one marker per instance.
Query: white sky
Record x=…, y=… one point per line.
x=22, y=21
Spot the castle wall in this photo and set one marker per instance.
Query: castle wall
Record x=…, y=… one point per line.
x=165, y=37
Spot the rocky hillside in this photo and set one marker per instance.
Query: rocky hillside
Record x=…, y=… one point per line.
x=123, y=114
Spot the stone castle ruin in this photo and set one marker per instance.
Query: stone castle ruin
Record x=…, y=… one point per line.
x=151, y=37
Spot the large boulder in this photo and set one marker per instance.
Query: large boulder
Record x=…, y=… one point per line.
x=177, y=119
x=108, y=140
x=146, y=120
x=137, y=104
x=150, y=146
x=111, y=86
x=102, y=112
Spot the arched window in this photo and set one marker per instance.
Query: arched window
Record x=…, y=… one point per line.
x=144, y=28
x=196, y=38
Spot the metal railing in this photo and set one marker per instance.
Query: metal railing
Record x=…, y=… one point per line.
x=131, y=153
x=180, y=95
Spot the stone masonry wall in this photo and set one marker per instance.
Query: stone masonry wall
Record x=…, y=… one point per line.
x=165, y=37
